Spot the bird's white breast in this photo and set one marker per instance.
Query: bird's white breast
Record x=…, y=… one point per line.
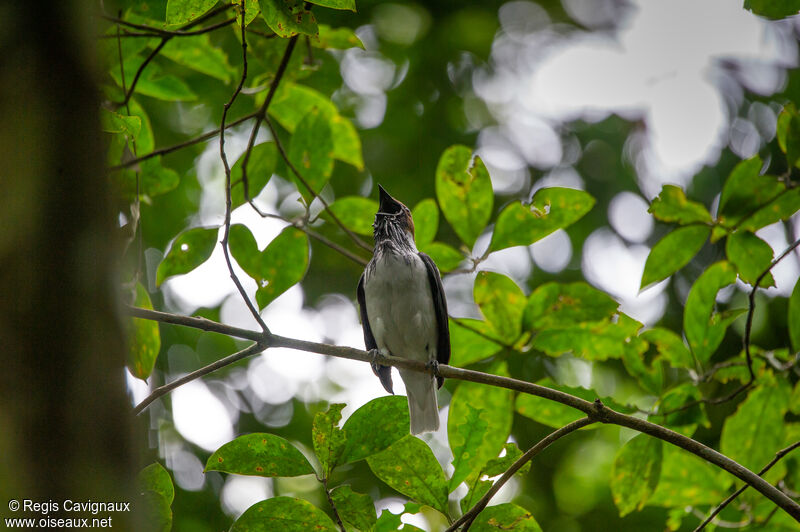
x=400, y=306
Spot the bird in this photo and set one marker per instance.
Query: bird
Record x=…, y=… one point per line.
x=404, y=311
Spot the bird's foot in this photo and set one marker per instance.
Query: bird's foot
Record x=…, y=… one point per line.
x=373, y=353
x=433, y=367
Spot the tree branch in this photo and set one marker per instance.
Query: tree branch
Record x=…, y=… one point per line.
x=473, y=512
x=595, y=409
x=253, y=349
x=228, y=203
x=778, y=456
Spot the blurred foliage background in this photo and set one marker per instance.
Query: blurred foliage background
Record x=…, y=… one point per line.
x=428, y=78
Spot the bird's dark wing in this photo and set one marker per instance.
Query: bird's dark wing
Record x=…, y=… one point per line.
x=384, y=373
x=440, y=307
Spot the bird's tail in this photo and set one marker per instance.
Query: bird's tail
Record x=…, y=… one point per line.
x=423, y=408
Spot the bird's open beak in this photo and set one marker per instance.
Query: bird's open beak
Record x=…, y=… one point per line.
x=388, y=205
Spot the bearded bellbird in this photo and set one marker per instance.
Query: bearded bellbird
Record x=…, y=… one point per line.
x=403, y=310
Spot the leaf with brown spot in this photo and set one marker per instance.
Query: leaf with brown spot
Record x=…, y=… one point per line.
x=259, y=454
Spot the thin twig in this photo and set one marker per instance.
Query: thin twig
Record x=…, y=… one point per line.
x=468, y=517
x=482, y=334
x=311, y=191
x=778, y=456
x=152, y=31
x=164, y=40
x=745, y=341
x=601, y=413
x=153, y=54
x=302, y=225
x=333, y=506
x=262, y=112
x=228, y=203
x=208, y=135
x=253, y=349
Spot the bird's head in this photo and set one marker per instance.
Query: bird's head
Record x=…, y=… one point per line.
x=393, y=220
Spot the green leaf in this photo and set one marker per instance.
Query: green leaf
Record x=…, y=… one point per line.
x=506, y=516
x=260, y=167
x=346, y=142
x=388, y=522
x=188, y=251
x=468, y=346
x=251, y=12
x=409, y=467
x=145, y=142
x=464, y=191
x=676, y=401
x=705, y=329
x=356, y=509
x=155, y=478
x=498, y=466
x=153, y=83
x=782, y=128
x=336, y=38
x=793, y=317
x=781, y=207
x=145, y=339
x=753, y=433
x=558, y=305
x=774, y=9
x=649, y=374
x=673, y=252
x=670, y=347
x=285, y=514
x=687, y=480
x=349, y=5
x=446, y=258
x=495, y=408
x=328, y=438
x=465, y=443
x=282, y=264
x=156, y=179
x=157, y=493
x=794, y=405
x=198, y=53
x=426, y=221
x=551, y=209
x=183, y=11
x=672, y=206
x=635, y=474
x=477, y=489
x=116, y=123
x=502, y=303
x=293, y=102
x=793, y=140
x=374, y=427
x=311, y=153
x=154, y=510
x=751, y=256
x=288, y=17
x=549, y=412
x=259, y=454
x=356, y=213
x=745, y=191
x=598, y=340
